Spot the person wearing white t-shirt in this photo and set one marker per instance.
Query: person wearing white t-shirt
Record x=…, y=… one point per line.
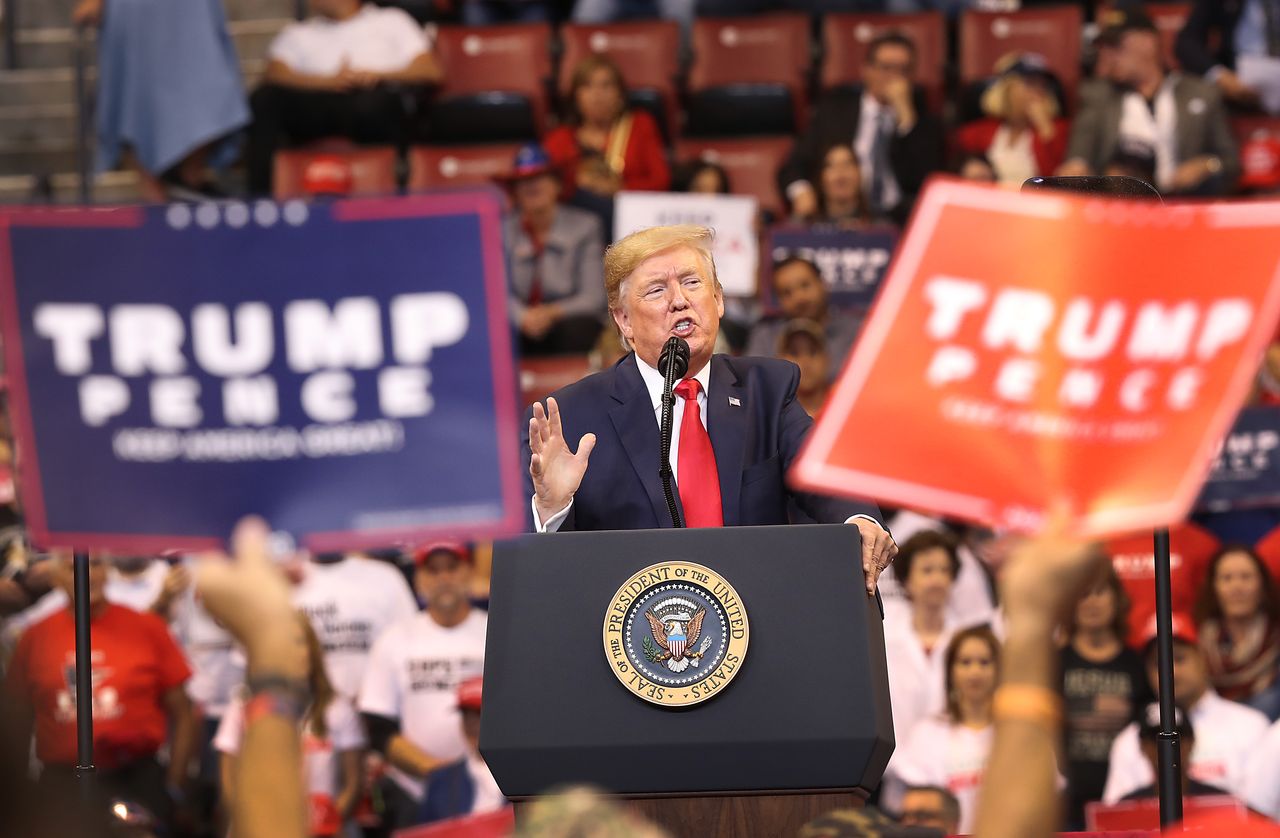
x=971, y=600
x=333, y=743
x=351, y=600
x=1227, y=734
x=950, y=750
x=409, y=696
x=917, y=630
x=1262, y=787
x=341, y=72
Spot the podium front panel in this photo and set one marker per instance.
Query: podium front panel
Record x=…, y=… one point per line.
x=808, y=709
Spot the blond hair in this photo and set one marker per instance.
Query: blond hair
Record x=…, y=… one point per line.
x=625, y=255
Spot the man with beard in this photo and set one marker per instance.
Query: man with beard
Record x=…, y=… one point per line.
x=409, y=695
x=801, y=294
x=1177, y=124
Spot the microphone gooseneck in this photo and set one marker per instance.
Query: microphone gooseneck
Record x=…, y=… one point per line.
x=673, y=363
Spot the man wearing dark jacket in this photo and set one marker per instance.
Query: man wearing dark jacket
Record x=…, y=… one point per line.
x=897, y=142
x=1218, y=33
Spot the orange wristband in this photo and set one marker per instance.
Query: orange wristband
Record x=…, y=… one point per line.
x=1028, y=703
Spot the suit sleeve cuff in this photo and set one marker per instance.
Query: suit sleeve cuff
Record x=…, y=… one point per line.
x=848, y=520
x=553, y=523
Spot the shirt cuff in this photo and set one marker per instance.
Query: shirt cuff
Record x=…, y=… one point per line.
x=553, y=523
x=848, y=520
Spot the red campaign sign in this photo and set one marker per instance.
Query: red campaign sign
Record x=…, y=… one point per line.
x=1043, y=351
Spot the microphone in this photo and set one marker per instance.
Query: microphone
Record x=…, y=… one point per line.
x=673, y=363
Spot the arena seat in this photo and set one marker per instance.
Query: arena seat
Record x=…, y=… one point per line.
x=751, y=162
x=845, y=38
x=353, y=170
x=540, y=377
x=495, y=83
x=749, y=75
x=1052, y=31
x=647, y=52
x=433, y=167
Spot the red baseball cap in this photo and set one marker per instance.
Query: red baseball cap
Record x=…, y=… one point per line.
x=470, y=692
x=1184, y=629
x=457, y=548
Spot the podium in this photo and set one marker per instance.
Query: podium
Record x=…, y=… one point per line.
x=801, y=726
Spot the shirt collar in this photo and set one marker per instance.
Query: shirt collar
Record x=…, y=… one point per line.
x=653, y=380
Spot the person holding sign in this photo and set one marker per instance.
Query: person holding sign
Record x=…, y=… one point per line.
x=729, y=457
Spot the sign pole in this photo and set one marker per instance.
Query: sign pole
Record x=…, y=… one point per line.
x=84, y=678
x=1169, y=755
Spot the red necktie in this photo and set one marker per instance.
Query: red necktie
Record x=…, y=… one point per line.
x=696, y=477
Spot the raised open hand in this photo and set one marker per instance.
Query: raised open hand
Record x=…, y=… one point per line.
x=556, y=471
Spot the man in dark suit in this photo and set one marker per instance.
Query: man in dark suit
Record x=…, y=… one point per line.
x=1171, y=124
x=898, y=143
x=1218, y=32
x=737, y=426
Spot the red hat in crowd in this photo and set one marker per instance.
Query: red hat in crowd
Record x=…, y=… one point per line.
x=327, y=174
x=1184, y=629
x=456, y=548
x=470, y=693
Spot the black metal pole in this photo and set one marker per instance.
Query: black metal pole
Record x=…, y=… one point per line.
x=84, y=678
x=1168, y=747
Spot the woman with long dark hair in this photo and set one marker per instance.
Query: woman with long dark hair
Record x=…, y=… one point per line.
x=1238, y=613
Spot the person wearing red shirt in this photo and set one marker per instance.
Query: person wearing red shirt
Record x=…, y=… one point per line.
x=139, y=702
x=1021, y=135
x=604, y=145
x=1133, y=556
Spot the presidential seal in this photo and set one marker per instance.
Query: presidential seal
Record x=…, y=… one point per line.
x=676, y=634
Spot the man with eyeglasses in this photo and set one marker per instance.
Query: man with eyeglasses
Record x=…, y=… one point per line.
x=931, y=806
x=898, y=143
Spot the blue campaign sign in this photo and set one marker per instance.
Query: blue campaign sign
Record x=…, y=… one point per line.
x=342, y=369
x=1246, y=471
x=852, y=262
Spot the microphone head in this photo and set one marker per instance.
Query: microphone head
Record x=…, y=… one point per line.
x=675, y=353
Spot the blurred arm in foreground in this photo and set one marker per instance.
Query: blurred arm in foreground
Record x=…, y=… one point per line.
x=249, y=596
x=1019, y=797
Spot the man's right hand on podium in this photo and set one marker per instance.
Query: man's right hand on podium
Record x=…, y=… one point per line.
x=556, y=471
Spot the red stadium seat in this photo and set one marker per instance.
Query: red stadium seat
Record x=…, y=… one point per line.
x=749, y=75
x=752, y=164
x=1053, y=31
x=371, y=169
x=845, y=38
x=540, y=377
x=495, y=83
x=1259, y=140
x=647, y=52
x=433, y=167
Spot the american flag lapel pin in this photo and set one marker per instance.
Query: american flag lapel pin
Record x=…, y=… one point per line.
x=733, y=402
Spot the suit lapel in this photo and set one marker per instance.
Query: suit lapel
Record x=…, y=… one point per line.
x=727, y=426
x=632, y=418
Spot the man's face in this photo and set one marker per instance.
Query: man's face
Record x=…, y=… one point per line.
x=538, y=193
x=670, y=294
x=443, y=580
x=888, y=65
x=925, y=808
x=1137, y=58
x=64, y=578
x=800, y=292
x=1190, y=675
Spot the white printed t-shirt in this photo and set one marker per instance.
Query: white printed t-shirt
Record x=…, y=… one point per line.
x=350, y=603
x=1227, y=734
x=939, y=753
x=413, y=676
x=374, y=40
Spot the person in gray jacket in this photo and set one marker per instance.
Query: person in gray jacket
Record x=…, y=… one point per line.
x=1169, y=127
x=555, y=255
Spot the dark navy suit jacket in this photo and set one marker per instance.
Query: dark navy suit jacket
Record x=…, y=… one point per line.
x=756, y=426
